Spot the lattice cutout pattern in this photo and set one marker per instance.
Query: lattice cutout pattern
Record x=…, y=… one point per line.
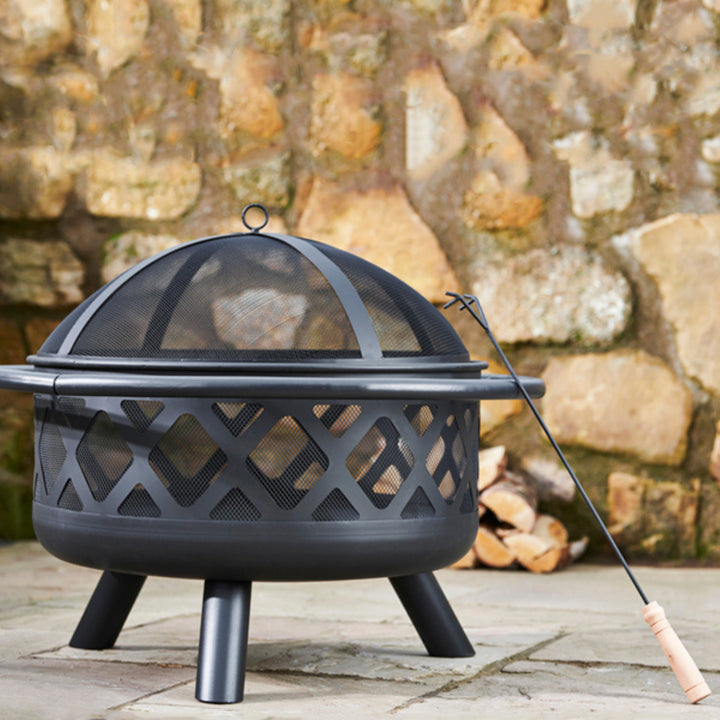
x=419, y=506
x=69, y=499
x=288, y=462
x=335, y=508
x=235, y=506
x=237, y=416
x=139, y=503
x=420, y=417
x=338, y=419
x=381, y=462
x=187, y=460
x=447, y=460
x=51, y=449
x=142, y=412
x=103, y=456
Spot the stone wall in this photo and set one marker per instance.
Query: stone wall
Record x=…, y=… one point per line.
x=559, y=159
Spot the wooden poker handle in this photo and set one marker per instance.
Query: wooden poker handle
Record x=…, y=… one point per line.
x=684, y=667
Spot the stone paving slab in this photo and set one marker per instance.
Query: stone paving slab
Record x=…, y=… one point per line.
x=635, y=645
x=531, y=690
x=568, y=645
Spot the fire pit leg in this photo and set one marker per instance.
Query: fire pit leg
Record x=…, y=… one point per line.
x=223, y=642
x=431, y=614
x=107, y=610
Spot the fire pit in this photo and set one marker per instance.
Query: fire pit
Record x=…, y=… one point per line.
x=256, y=407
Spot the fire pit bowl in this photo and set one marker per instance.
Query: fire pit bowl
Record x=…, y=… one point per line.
x=255, y=407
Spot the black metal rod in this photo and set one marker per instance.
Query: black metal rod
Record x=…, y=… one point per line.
x=107, y=610
x=467, y=302
x=223, y=642
x=431, y=614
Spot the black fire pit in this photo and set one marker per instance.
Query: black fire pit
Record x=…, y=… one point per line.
x=256, y=407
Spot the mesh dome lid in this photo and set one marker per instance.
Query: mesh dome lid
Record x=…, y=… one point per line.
x=249, y=299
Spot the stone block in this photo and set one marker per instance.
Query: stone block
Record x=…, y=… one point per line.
x=266, y=22
x=73, y=82
x=488, y=205
x=500, y=149
x=435, y=127
x=127, y=250
x=342, y=116
x=247, y=104
x=625, y=500
x=552, y=295
x=264, y=179
x=714, y=466
x=40, y=273
x=32, y=30
x=360, y=51
x=116, y=31
x=34, y=183
x=124, y=187
x=188, y=18
x=619, y=402
x=681, y=253
x=381, y=226
x=599, y=182
x=506, y=51
x=651, y=518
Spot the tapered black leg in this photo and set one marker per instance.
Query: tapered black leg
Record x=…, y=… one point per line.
x=107, y=610
x=223, y=642
x=432, y=616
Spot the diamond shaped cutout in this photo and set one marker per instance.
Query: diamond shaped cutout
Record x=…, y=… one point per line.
x=287, y=462
x=381, y=462
x=142, y=412
x=420, y=417
x=447, y=460
x=335, y=508
x=69, y=499
x=237, y=416
x=187, y=460
x=235, y=506
x=51, y=449
x=139, y=503
x=419, y=506
x=103, y=456
x=338, y=419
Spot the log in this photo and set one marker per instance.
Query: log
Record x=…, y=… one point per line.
x=550, y=528
x=491, y=464
x=526, y=547
x=553, y=559
x=490, y=550
x=551, y=479
x=513, y=500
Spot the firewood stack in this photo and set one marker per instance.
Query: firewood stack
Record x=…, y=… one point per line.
x=512, y=532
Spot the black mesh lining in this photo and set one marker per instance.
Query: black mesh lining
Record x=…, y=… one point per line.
x=405, y=322
x=139, y=503
x=235, y=506
x=335, y=508
x=253, y=298
x=235, y=298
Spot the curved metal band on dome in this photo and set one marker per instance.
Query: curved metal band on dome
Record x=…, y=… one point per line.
x=350, y=299
x=346, y=292
x=76, y=383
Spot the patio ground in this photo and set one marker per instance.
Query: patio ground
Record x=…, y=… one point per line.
x=563, y=646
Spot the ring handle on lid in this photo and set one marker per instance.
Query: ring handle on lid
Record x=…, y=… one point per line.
x=255, y=228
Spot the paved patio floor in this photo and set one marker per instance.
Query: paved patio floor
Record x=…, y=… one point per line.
x=563, y=646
